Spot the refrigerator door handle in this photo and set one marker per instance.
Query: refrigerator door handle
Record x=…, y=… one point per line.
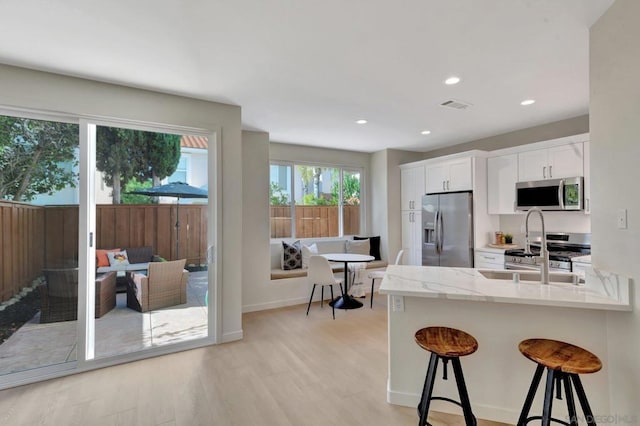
x=436, y=231
x=441, y=233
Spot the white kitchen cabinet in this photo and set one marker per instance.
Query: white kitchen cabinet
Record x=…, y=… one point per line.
x=586, y=155
x=412, y=237
x=449, y=176
x=551, y=163
x=502, y=175
x=489, y=258
x=412, y=187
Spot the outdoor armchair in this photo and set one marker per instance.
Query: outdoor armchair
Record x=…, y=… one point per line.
x=164, y=285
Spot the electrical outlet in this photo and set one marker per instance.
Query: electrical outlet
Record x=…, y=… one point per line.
x=398, y=303
x=622, y=218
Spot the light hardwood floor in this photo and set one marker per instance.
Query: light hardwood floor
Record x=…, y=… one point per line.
x=288, y=370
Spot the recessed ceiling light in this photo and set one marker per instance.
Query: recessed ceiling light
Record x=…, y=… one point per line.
x=361, y=121
x=528, y=102
x=452, y=80
x=425, y=132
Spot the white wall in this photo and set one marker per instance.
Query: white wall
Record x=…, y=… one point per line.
x=615, y=151
x=22, y=88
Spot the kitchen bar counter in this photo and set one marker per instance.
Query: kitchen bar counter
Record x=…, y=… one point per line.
x=602, y=290
x=499, y=314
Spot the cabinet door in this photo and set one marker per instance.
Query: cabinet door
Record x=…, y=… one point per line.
x=460, y=175
x=586, y=156
x=412, y=188
x=565, y=161
x=437, y=176
x=412, y=237
x=406, y=189
x=502, y=175
x=532, y=165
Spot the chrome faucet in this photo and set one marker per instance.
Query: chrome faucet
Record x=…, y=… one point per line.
x=544, y=254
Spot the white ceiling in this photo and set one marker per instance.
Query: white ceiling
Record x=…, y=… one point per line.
x=305, y=70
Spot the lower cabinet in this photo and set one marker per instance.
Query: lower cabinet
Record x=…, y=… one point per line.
x=412, y=237
x=489, y=258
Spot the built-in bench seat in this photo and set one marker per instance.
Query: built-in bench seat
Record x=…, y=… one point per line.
x=278, y=274
x=324, y=246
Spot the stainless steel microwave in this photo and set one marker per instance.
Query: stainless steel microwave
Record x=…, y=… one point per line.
x=550, y=194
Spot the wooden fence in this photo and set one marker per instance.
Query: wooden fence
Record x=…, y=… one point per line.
x=21, y=246
x=33, y=237
x=313, y=221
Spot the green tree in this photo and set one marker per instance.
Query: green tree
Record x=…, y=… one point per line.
x=117, y=157
x=350, y=189
x=161, y=152
x=36, y=157
x=134, y=185
x=277, y=196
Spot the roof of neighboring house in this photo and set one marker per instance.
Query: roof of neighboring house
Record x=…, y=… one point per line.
x=199, y=142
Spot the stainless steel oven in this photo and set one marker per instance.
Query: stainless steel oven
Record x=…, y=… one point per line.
x=562, y=248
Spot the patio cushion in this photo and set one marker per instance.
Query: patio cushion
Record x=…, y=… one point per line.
x=118, y=258
x=101, y=257
x=140, y=254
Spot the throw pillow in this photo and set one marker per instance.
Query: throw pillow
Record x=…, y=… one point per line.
x=118, y=258
x=101, y=257
x=375, y=246
x=358, y=246
x=307, y=252
x=291, y=256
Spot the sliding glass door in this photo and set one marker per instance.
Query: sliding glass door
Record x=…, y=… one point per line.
x=107, y=232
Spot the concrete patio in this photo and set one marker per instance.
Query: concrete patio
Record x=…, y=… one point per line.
x=120, y=331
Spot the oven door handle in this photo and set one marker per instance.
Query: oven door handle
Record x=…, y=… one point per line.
x=518, y=266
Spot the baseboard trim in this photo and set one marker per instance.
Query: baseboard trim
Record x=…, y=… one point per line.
x=232, y=336
x=274, y=305
x=481, y=411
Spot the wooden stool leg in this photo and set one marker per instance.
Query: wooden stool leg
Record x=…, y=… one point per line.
x=469, y=418
x=571, y=406
x=583, y=400
x=532, y=393
x=548, y=398
x=311, y=298
x=427, y=390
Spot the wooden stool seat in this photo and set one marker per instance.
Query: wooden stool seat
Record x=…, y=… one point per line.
x=560, y=356
x=445, y=341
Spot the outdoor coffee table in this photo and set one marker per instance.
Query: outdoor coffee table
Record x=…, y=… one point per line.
x=345, y=301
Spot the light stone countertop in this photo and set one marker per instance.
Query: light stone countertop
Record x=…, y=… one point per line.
x=603, y=290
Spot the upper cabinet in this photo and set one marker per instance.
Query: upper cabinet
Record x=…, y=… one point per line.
x=412, y=184
x=449, y=176
x=551, y=163
x=502, y=175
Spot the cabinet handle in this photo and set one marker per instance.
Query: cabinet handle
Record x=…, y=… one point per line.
x=544, y=172
x=443, y=185
x=587, y=204
x=488, y=257
x=550, y=171
x=447, y=184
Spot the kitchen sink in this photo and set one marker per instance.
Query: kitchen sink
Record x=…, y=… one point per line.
x=528, y=276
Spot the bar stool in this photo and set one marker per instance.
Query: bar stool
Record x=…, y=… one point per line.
x=564, y=362
x=446, y=344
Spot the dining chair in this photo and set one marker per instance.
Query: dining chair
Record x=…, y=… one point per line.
x=380, y=274
x=320, y=273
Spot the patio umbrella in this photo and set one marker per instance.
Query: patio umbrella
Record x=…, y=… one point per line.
x=178, y=190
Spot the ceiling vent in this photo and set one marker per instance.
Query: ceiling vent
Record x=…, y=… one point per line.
x=452, y=103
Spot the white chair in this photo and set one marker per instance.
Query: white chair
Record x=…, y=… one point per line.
x=320, y=273
x=380, y=274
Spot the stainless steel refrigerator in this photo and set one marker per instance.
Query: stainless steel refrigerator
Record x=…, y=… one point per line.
x=447, y=229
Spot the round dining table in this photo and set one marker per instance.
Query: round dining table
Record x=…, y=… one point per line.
x=345, y=301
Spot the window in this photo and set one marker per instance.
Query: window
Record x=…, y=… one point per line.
x=311, y=201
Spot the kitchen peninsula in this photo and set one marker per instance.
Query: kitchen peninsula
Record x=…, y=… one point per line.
x=499, y=313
